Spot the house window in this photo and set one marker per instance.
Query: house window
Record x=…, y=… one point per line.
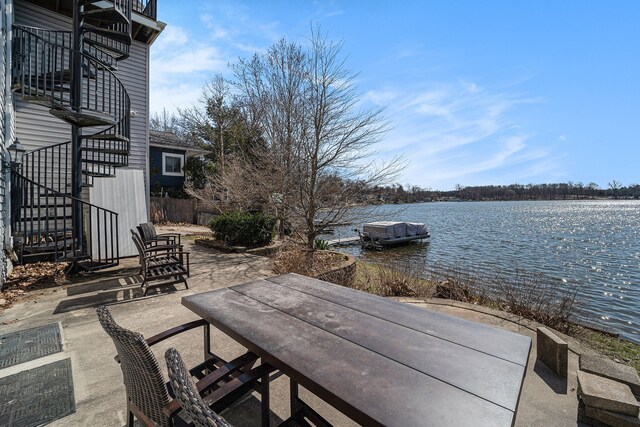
x=172, y=164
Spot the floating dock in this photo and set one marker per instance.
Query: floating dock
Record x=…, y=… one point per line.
x=346, y=241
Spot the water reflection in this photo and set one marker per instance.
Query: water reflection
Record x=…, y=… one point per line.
x=594, y=245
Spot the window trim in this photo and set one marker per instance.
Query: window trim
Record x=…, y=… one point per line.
x=164, y=164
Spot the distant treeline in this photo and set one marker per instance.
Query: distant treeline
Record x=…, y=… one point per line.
x=559, y=191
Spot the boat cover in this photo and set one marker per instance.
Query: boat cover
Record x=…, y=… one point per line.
x=385, y=229
x=416, y=228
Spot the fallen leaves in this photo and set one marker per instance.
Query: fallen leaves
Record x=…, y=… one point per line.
x=24, y=279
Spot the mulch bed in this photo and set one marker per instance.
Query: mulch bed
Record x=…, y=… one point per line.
x=25, y=279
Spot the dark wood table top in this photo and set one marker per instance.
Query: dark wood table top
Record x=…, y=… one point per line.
x=379, y=361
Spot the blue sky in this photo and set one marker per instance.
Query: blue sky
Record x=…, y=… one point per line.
x=476, y=92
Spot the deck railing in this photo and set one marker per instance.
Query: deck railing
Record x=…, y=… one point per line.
x=146, y=7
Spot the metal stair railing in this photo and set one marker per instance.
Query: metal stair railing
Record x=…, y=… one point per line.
x=43, y=209
x=41, y=219
x=42, y=70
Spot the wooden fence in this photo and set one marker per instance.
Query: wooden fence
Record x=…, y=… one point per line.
x=166, y=209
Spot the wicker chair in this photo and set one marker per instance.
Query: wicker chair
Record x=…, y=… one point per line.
x=202, y=409
x=148, y=398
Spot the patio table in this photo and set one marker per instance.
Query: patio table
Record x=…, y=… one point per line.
x=378, y=361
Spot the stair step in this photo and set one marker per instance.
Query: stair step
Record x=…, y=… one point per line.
x=57, y=232
x=112, y=34
x=105, y=162
x=61, y=76
x=97, y=175
x=112, y=51
x=104, y=63
x=107, y=137
x=45, y=248
x=108, y=15
x=55, y=195
x=69, y=256
x=106, y=150
x=46, y=101
x=45, y=218
x=82, y=119
x=50, y=205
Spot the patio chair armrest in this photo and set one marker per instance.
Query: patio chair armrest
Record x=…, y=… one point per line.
x=176, y=237
x=170, y=333
x=168, y=235
x=175, y=331
x=176, y=253
x=159, y=248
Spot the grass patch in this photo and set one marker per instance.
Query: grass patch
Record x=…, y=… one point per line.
x=529, y=296
x=621, y=350
x=401, y=280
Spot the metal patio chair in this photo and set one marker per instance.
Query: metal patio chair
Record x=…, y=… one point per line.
x=149, y=398
x=150, y=237
x=168, y=264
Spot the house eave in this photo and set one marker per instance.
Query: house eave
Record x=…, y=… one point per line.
x=190, y=152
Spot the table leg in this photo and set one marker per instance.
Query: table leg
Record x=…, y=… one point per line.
x=264, y=385
x=207, y=342
x=293, y=393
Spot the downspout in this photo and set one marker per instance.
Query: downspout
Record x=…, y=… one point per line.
x=8, y=98
x=8, y=126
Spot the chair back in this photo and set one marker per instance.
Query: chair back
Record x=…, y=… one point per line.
x=148, y=231
x=139, y=246
x=187, y=394
x=143, y=379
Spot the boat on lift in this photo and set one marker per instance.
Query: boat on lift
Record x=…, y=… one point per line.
x=381, y=234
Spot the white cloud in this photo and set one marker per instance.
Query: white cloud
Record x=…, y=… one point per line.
x=562, y=138
x=171, y=37
x=202, y=58
x=180, y=64
x=460, y=132
x=380, y=97
x=172, y=97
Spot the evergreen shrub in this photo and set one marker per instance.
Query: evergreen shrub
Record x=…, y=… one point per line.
x=244, y=228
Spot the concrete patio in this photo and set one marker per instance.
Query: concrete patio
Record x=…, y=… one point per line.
x=98, y=387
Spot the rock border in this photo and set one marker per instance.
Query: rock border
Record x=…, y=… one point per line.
x=266, y=251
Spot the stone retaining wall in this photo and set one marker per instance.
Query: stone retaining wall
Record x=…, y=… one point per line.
x=344, y=274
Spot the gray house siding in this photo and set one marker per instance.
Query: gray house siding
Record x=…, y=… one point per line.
x=37, y=128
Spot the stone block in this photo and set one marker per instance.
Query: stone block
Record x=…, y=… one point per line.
x=611, y=418
x=605, y=367
x=603, y=393
x=553, y=352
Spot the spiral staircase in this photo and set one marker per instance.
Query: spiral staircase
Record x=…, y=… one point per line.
x=72, y=74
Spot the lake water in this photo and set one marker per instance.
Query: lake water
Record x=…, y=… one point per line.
x=593, y=244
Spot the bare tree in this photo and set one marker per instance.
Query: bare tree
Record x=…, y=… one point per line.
x=319, y=138
x=615, y=186
x=165, y=121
